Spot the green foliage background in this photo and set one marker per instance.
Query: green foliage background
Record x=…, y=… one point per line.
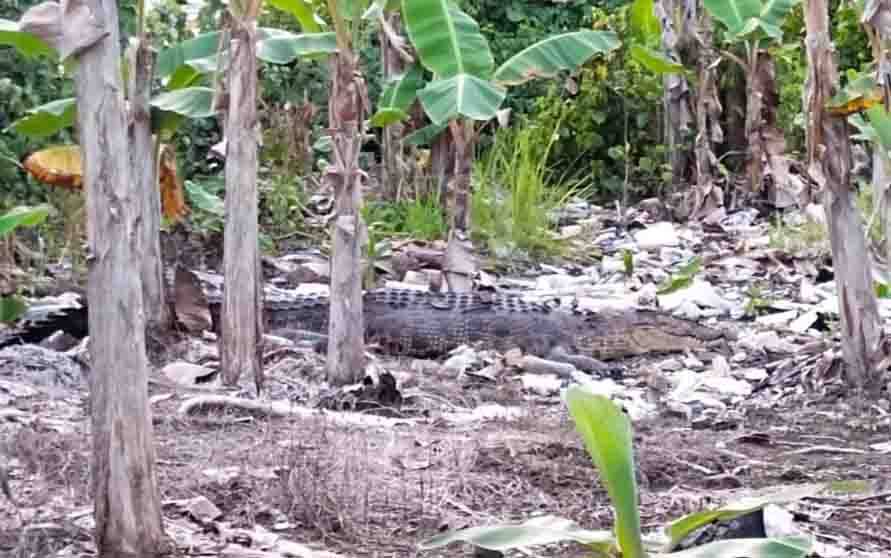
x=611, y=93
x=24, y=84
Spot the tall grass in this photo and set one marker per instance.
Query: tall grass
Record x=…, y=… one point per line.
x=516, y=192
x=420, y=218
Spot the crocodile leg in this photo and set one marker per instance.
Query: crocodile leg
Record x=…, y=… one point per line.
x=584, y=363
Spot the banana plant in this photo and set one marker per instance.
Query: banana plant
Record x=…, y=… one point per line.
x=464, y=87
x=606, y=432
x=752, y=23
x=646, y=33
x=465, y=82
x=183, y=70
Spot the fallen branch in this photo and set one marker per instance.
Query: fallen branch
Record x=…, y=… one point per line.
x=279, y=409
x=536, y=365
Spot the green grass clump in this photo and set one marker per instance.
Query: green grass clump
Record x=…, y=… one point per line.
x=516, y=192
x=798, y=238
x=420, y=218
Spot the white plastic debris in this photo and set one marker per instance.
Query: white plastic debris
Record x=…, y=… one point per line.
x=720, y=367
x=777, y=319
x=804, y=322
x=754, y=374
x=460, y=359
x=185, y=373
x=700, y=292
x=807, y=292
x=766, y=341
x=406, y=285
x=726, y=386
x=417, y=278
x=779, y=522
x=656, y=236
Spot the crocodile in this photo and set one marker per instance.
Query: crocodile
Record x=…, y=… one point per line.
x=427, y=324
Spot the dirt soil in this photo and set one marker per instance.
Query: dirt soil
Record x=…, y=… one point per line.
x=375, y=491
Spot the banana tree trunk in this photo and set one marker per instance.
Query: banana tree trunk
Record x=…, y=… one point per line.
x=346, y=106
x=754, y=122
x=460, y=264
x=706, y=195
x=144, y=155
x=829, y=165
x=881, y=187
x=241, y=314
x=677, y=95
x=125, y=491
x=392, y=175
x=442, y=166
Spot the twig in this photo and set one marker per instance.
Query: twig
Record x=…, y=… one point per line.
x=690, y=464
x=294, y=233
x=826, y=449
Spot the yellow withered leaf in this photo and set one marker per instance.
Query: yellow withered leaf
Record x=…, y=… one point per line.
x=857, y=104
x=57, y=166
x=60, y=166
x=173, y=199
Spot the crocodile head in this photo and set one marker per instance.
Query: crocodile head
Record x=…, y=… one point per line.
x=617, y=334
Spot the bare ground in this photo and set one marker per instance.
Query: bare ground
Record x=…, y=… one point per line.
x=377, y=491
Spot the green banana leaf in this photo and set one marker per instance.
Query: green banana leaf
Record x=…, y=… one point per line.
x=283, y=47
x=785, y=547
x=398, y=95
x=47, y=119
x=743, y=17
x=655, y=62
x=645, y=26
x=681, y=527
x=191, y=102
x=506, y=536
x=191, y=73
x=28, y=44
x=425, y=135
x=22, y=216
x=773, y=12
x=11, y=308
x=170, y=59
x=461, y=96
x=275, y=46
x=606, y=431
x=550, y=56
x=302, y=11
x=881, y=125
x=448, y=41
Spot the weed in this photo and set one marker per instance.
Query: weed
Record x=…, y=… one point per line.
x=796, y=238
x=757, y=300
x=424, y=219
x=421, y=218
x=282, y=200
x=683, y=278
x=607, y=435
x=515, y=193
